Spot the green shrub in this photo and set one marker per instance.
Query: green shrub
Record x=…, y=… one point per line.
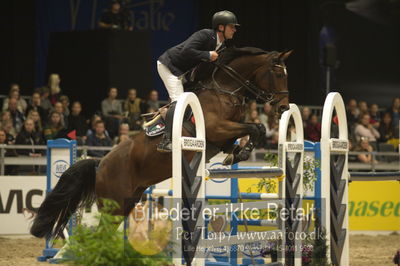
x=105, y=245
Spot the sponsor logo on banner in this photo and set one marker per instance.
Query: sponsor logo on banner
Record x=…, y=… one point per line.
x=59, y=167
x=339, y=145
x=374, y=206
x=294, y=147
x=20, y=199
x=193, y=144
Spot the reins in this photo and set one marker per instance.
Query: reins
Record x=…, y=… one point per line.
x=246, y=84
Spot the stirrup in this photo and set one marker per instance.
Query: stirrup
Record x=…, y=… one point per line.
x=165, y=145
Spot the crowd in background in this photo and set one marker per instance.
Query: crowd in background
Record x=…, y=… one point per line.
x=48, y=114
x=370, y=128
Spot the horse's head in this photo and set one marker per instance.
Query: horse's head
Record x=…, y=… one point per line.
x=272, y=79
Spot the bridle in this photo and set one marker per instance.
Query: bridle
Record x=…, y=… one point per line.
x=248, y=85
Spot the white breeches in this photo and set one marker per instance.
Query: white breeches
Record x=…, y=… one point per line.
x=171, y=82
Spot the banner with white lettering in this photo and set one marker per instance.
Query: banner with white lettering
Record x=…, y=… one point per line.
x=20, y=196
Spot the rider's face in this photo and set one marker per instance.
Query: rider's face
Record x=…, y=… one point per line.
x=230, y=30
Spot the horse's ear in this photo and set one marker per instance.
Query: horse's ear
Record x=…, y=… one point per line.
x=284, y=55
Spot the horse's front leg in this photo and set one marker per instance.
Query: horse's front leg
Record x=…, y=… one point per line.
x=232, y=130
x=256, y=134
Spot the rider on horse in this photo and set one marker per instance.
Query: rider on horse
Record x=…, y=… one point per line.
x=203, y=45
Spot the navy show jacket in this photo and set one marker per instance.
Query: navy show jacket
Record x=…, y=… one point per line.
x=188, y=54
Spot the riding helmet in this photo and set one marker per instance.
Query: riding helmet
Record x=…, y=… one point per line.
x=224, y=18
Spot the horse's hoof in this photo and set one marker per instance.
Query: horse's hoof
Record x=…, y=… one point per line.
x=243, y=156
x=228, y=160
x=236, y=149
x=262, y=129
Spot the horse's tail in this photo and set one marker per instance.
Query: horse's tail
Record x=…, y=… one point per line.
x=75, y=188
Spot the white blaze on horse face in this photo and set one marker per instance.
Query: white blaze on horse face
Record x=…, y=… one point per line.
x=285, y=71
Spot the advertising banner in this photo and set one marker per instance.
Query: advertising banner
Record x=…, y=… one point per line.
x=374, y=206
x=20, y=196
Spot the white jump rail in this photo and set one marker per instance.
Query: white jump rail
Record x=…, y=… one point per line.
x=189, y=186
x=195, y=182
x=334, y=178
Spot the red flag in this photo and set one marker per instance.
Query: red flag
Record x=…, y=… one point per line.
x=336, y=120
x=72, y=134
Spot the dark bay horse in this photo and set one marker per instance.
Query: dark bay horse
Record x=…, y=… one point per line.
x=134, y=165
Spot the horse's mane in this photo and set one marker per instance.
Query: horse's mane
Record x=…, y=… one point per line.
x=205, y=69
x=232, y=53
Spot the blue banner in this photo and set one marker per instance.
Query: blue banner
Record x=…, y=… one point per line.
x=169, y=21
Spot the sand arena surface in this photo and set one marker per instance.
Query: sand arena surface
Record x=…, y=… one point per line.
x=364, y=250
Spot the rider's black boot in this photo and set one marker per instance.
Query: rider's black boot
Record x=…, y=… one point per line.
x=165, y=144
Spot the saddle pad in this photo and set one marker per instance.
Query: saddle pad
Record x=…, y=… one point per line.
x=156, y=129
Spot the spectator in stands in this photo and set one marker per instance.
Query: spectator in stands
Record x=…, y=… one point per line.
x=98, y=139
x=54, y=126
x=364, y=146
x=395, y=112
x=363, y=107
x=352, y=157
x=54, y=87
x=59, y=108
x=34, y=115
x=266, y=114
x=35, y=105
x=116, y=18
x=65, y=104
x=152, y=102
x=10, y=131
x=8, y=169
x=268, y=119
x=93, y=121
x=386, y=129
x=253, y=117
x=112, y=111
x=28, y=136
x=123, y=134
x=15, y=86
x=16, y=116
x=4, y=138
x=6, y=119
x=77, y=122
x=305, y=115
x=21, y=103
x=134, y=107
x=44, y=99
x=7, y=125
x=272, y=143
x=273, y=126
x=352, y=113
x=365, y=129
x=252, y=105
x=313, y=129
x=375, y=115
